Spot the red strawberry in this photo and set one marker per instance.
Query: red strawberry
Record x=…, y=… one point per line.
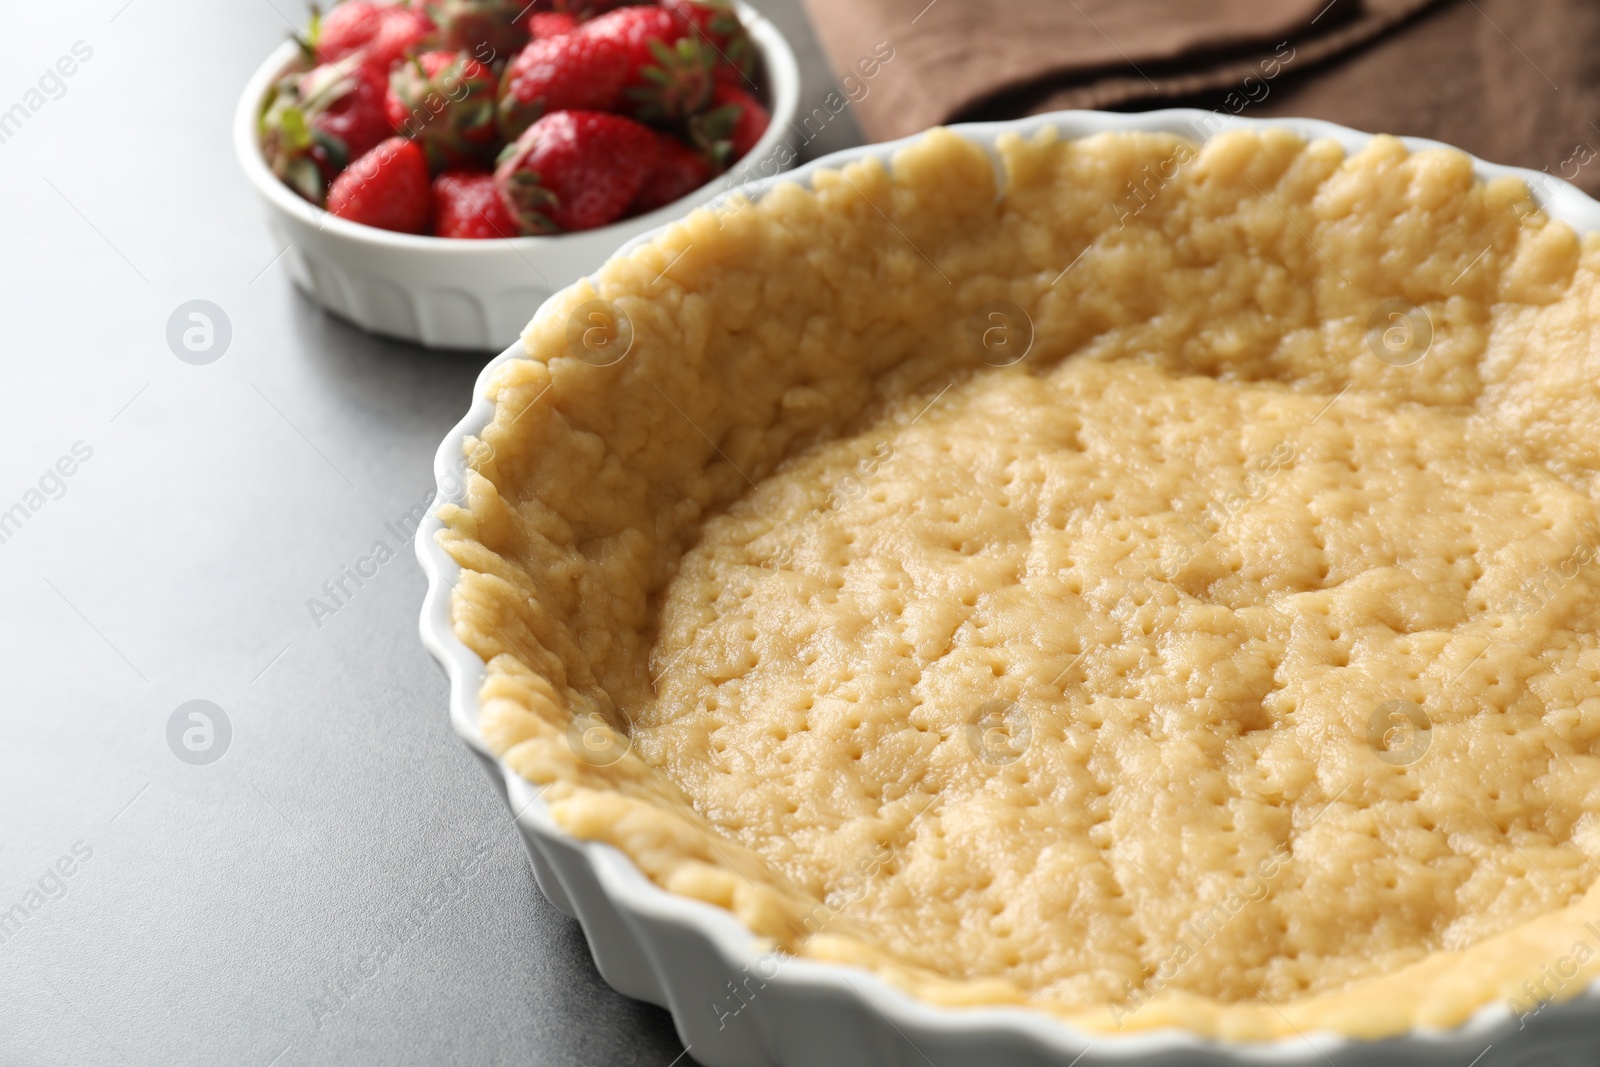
x=466, y=205
x=731, y=126
x=445, y=102
x=381, y=32
x=669, y=68
x=718, y=27
x=489, y=29
x=546, y=24
x=356, y=118
x=317, y=122
x=568, y=73
x=584, y=10
x=574, y=170
x=679, y=171
x=386, y=188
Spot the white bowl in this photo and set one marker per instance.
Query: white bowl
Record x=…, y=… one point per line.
x=686, y=955
x=446, y=293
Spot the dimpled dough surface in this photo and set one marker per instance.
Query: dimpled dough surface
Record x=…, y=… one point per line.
x=1092, y=681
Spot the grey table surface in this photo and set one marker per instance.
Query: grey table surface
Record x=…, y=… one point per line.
x=299, y=899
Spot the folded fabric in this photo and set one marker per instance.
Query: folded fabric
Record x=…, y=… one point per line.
x=955, y=58
x=1509, y=81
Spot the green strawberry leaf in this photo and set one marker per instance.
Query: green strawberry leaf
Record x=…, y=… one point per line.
x=662, y=54
x=308, y=40
x=337, y=151
x=294, y=129
x=476, y=117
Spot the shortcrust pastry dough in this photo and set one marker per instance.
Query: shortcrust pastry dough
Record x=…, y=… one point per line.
x=1082, y=682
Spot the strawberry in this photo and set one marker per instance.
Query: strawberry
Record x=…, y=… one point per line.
x=669, y=69
x=489, y=29
x=546, y=24
x=466, y=205
x=718, y=27
x=317, y=122
x=567, y=73
x=386, y=188
x=382, y=33
x=730, y=127
x=574, y=170
x=445, y=102
x=679, y=171
x=584, y=10
x=356, y=118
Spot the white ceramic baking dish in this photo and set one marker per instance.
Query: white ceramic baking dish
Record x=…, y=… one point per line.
x=699, y=963
x=471, y=294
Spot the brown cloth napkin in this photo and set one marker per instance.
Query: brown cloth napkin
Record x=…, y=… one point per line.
x=1506, y=80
